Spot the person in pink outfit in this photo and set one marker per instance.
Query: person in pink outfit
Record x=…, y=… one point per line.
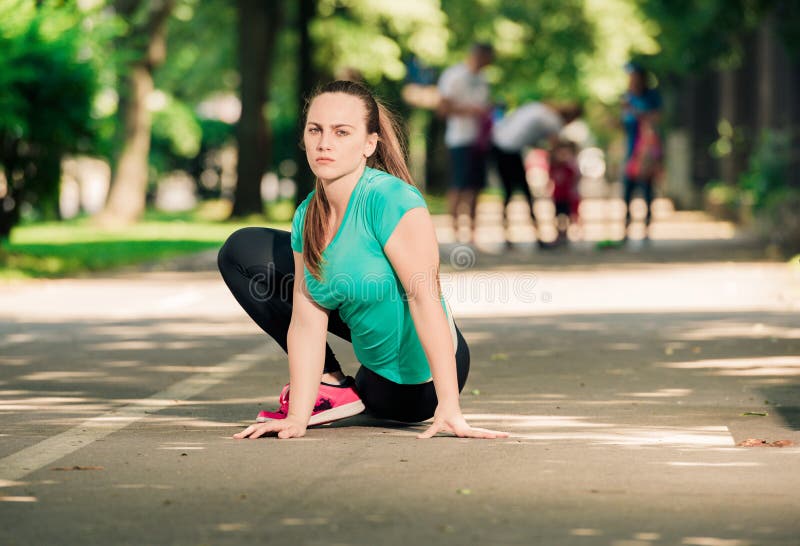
x=564, y=178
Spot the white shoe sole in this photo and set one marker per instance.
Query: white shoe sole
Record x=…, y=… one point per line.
x=328, y=416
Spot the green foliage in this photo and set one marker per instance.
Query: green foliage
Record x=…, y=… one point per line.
x=201, y=51
x=723, y=200
x=779, y=219
x=177, y=125
x=768, y=169
x=372, y=37
x=787, y=23
x=77, y=247
x=541, y=45
x=46, y=89
x=620, y=32
x=216, y=133
x=697, y=34
x=764, y=192
x=46, y=86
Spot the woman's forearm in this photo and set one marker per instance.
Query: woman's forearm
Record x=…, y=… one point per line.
x=306, y=349
x=434, y=334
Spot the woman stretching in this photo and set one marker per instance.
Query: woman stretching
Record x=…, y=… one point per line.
x=362, y=262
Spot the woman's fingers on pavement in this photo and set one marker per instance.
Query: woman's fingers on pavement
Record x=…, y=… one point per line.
x=256, y=431
x=244, y=433
x=430, y=432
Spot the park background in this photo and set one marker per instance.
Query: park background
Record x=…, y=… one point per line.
x=132, y=130
x=650, y=389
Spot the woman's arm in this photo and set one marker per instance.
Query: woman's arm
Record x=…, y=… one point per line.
x=306, y=344
x=413, y=252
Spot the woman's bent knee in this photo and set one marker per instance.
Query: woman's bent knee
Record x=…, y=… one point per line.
x=227, y=252
x=243, y=244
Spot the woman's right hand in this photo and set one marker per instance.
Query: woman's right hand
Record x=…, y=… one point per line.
x=286, y=428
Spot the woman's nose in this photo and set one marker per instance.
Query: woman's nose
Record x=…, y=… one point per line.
x=324, y=142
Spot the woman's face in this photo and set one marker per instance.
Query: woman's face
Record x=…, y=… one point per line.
x=335, y=136
x=636, y=83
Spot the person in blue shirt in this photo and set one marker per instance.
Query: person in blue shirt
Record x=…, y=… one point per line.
x=362, y=262
x=639, y=103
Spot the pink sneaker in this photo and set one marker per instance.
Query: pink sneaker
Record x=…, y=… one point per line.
x=334, y=402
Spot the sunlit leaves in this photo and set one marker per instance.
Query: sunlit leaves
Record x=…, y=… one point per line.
x=620, y=30
x=372, y=36
x=176, y=123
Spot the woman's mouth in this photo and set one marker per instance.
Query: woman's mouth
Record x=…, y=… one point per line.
x=324, y=160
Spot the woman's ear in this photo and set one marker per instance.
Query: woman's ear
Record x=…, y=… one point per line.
x=371, y=145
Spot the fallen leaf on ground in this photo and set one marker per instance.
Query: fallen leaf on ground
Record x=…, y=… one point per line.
x=464, y=491
x=499, y=356
x=756, y=413
x=757, y=442
x=77, y=467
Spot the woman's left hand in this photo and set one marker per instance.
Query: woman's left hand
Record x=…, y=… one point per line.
x=454, y=422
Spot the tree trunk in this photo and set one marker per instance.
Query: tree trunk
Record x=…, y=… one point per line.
x=126, y=199
x=258, y=23
x=767, y=76
x=307, y=80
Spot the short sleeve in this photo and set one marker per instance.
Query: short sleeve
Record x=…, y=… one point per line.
x=298, y=221
x=391, y=199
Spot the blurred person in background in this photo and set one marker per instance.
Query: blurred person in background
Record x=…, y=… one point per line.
x=641, y=112
x=564, y=178
x=532, y=124
x=465, y=102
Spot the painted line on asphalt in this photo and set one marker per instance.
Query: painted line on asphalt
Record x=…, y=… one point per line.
x=30, y=459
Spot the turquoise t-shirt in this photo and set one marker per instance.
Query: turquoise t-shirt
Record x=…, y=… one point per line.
x=359, y=281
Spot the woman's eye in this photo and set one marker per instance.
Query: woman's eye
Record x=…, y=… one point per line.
x=313, y=130
x=342, y=133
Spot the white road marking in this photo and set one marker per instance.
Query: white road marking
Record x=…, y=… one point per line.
x=30, y=459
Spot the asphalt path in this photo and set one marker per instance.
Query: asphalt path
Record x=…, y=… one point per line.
x=626, y=384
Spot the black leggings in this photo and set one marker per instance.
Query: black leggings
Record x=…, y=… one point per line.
x=257, y=264
x=511, y=169
x=629, y=185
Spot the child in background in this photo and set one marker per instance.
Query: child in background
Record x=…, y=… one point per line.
x=564, y=177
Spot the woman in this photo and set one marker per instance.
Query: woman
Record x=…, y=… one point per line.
x=365, y=259
x=641, y=106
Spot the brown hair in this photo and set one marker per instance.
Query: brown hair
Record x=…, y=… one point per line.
x=389, y=156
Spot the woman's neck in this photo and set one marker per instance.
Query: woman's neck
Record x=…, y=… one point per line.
x=339, y=190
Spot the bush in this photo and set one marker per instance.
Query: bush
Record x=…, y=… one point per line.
x=768, y=168
x=722, y=200
x=766, y=187
x=779, y=219
x=46, y=97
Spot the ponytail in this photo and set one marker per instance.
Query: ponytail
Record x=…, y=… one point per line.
x=390, y=155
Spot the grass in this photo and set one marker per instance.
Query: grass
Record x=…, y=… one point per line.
x=76, y=247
